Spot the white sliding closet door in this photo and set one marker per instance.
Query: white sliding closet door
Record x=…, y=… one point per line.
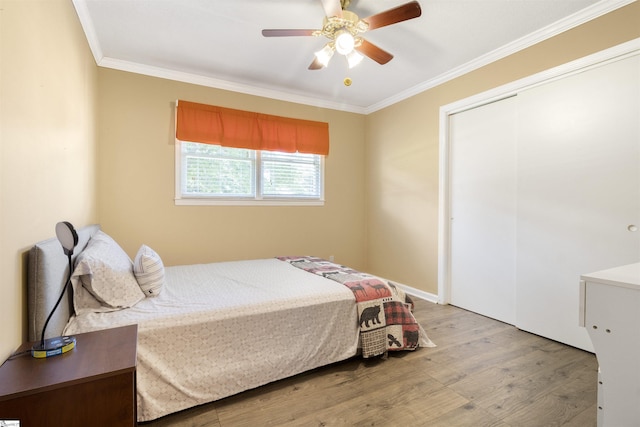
x=483, y=209
x=544, y=187
x=578, y=192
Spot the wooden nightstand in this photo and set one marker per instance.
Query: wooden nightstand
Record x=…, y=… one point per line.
x=92, y=385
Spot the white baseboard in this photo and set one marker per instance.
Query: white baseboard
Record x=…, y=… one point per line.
x=418, y=293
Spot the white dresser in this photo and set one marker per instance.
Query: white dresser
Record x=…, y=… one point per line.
x=610, y=310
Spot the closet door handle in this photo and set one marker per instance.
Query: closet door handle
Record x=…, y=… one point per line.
x=632, y=228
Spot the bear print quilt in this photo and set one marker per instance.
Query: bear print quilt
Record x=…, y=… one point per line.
x=384, y=310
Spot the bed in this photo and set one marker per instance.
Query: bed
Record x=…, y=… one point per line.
x=208, y=331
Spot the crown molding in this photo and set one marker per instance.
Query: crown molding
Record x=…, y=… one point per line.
x=89, y=30
x=588, y=14
x=196, y=79
x=601, y=8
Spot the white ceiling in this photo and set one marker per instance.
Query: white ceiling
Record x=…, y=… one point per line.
x=218, y=43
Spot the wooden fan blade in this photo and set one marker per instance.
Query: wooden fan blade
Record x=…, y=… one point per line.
x=374, y=52
x=332, y=8
x=392, y=16
x=316, y=65
x=287, y=33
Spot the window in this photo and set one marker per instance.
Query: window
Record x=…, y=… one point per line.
x=212, y=174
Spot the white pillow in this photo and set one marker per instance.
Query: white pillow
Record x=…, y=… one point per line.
x=103, y=278
x=149, y=271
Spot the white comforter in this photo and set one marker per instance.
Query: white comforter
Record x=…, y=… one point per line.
x=219, y=329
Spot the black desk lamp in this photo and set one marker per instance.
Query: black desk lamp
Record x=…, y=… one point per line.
x=53, y=346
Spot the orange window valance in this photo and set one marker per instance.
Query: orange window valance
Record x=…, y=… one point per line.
x=243, y=129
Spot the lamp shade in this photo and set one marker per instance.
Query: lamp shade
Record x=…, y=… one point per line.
x=325, y=54
x=67, y=236
x=354, y=58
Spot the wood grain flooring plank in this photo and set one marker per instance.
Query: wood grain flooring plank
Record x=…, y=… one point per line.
x=200, y=416
x=409, y=408
x=467, y=415
x=458, y=362
x=497, y=378
x=521, y=389
x=560, y=405
x=272, y=404
x=586, y=418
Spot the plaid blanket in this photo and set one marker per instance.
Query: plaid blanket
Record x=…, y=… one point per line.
x=384, y=310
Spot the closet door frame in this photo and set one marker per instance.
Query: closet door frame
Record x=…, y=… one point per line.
x=615, y=53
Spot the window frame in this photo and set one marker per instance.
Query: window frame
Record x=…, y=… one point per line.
x=258, y=200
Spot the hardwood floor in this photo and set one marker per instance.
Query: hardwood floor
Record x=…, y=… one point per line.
x=482, y=373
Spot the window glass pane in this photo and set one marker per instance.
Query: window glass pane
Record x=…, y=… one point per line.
x=210, y=170
x=290, y=175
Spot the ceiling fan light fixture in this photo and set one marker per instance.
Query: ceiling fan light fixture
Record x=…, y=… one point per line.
x=344, y=31
x=325, y=54
x=354, y=58
x=344, y=42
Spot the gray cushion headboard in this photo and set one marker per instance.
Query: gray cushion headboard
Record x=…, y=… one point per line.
x=47, y=274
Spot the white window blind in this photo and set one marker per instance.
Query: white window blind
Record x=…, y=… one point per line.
x=290, y=175
x=211, y=174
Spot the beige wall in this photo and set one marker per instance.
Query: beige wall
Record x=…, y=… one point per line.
x=136, y=181
x=402, y=149
x=47, y=140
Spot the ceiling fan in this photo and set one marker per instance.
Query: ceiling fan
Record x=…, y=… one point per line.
x=344, y=29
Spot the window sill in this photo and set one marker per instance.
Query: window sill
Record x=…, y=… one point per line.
x=246, y=202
